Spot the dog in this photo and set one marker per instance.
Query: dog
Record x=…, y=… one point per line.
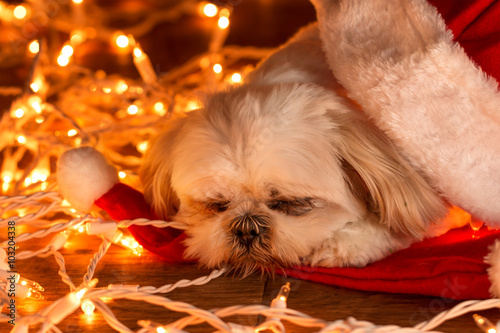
x=286, y=170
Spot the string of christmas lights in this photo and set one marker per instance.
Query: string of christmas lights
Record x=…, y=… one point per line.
x=118, y=116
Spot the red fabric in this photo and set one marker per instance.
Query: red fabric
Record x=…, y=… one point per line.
x=124, y=203
x=449, y=266
x=476, y=27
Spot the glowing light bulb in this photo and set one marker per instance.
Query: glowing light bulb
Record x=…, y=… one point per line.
x=130, y=243
x=31, y=284
x=476, y=224
x=143, y=146
x=65, y=306
x=223, y=22
x=121, y=87
x=217, y=68
x=62, y=60
x=122, y=41
x=24, y=291
x=39, y=175
x=159, y=108
x=210, y=10
x=161, y=330
x=224, y=12
x=77, y=1
x=36, y=106
x=132, y=109
x=72, y=132
x=34, y=47
x=20, y=12
x=19, y=113
x=77, y=37
x=137, y=52
x=192, y=105
x=67, y=51
x=236, y=77
x=88, y=307
x=122, y=174
x=484, y=324
x=34, y=86
x=21, y=139
x=39, y=119
x=284, y=292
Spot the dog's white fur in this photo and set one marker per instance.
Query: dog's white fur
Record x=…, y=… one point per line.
x=287, y=152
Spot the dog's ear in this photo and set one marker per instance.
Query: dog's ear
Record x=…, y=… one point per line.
x=156, y=169
x=377, y=173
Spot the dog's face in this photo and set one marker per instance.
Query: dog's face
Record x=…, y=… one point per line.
x=264, y=176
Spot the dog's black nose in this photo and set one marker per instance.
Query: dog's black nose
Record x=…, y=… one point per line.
x=247, y=228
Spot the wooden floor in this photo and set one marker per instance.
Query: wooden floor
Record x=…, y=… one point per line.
x=119, y=266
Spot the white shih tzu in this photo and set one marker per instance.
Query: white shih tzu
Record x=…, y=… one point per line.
x=285, y=170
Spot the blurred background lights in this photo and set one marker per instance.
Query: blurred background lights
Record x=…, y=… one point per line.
x=34, y=47
x=236, y=77
x=62, y=60
x=210, y=10
x=217, y=68
x=122, y=41
x=132, y=109
x=67, y=51
x=223, y=22
x=20, y=12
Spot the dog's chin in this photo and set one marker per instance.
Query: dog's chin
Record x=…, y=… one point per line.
x=258, y=257
x=240, y=260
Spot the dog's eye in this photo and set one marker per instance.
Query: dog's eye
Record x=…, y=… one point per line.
x=294, y=207
x=217, y=206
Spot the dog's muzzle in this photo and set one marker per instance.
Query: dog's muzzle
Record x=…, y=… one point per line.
x=249, y=228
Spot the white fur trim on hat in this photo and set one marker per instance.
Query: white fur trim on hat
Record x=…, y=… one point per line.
x=398, y=61
x=83, y=176
x=493, y=259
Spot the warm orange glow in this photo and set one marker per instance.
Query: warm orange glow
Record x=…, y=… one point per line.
x=122, y=41
x=36, y=105
x=217, y=68
x=19, y=113
x=34, y=47
x=137, y=52
x=236, y=77
x=142, y=146
x=224, y=12
x=20, y=12
x=159, y=108
x=223, y=22
x=21, y=139
x=77, y=37
x=62, y=60
x=34, y=86
x=67, y=51
x=210, y=10
x=132, y=109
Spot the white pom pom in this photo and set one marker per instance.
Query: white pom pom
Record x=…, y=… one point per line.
x=493, y=259
x=83, y=176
